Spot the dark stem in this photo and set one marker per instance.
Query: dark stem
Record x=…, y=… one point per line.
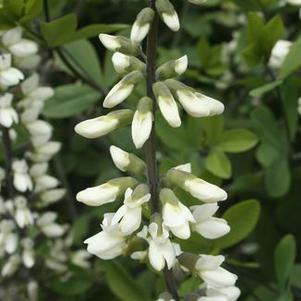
x=150, y=146
x=8, y=156
x=46, y=10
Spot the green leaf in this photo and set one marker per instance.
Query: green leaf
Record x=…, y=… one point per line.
x=90, y=65
x=122, y=284
x=292, y=61
x=219, y=164
x=260, y=91
x=284, y=258
x=242, y=219
x=70, y=100
x=67, y=25
x=237, y=140
x=213, y=127
x=278, y=177
x=296, y=276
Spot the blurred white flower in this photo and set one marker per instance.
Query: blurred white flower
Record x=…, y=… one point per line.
x=9, y=76
x=8, y=115
x=22, y=179
x=23, y=214
x=8, y=236
x=279, y=53
x=28, y=256
x=13, y=41
x=11, y=266
x=46, y=222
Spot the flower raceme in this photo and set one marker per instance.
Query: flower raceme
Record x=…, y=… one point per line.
x=170, y=217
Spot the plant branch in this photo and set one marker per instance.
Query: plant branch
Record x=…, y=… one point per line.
x=150, y=147
x=8, y=156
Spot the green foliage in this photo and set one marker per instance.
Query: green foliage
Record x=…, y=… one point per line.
x=285, y=256
x=67, y=27
x=70, y=100
x=242, y=219
x=122, y=284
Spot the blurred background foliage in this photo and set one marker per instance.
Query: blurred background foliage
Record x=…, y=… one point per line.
x=253, y=151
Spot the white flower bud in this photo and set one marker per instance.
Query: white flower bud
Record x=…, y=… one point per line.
x=142, y=122
x=52, y=195
x=172, y=68
x=121, y=158
x=124, y=63
x=122, y=89
x=176, y=216
x=198, y=188
x=168, y=14
x=22, y=180
x=100, y=126
x=9, y=76
x=207, y=225
x=167, y=104
x=8, y=115
x=142, y=25
x=118, y=43
x=105, y=193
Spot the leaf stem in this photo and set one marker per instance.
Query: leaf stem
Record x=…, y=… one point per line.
x=150, y=147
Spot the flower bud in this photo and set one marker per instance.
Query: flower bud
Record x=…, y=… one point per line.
x=124, y=63
x=167, y=104
x=122, y=89
x=194, y=103
x=172, y=68
x=105, y=193
x=126, y=161
x=142, y=121
x=197, y=187
x=100, y=126
x=176, y=216
x=118, y=43
x=168, y=14
x=142, y=25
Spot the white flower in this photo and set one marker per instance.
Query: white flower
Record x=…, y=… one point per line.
x=52, y=195
x=161, y=251
x=22, y=180
x=120, y=157
x=208, y=268
x=42, y=180
x=142, y=122
x=8, y=238
x=81, y=259
x=299, y=106
x=208, y=226
x=11, y=266
x=181, y=64
x=204, y=191
x=214, y=106
x=109, y=41
x=105, y=193
x=110, y=242
x=8, y=115
x=167, y=104
x=122, y=89
x=33, y=290
x=100, y=126
x=28, y=253
x=294, y=2
x=279, y=53
x=168, y=14
x=40, y=131
x=33, y=92
x=12, y=39
x=48, y=225
x=197, y=187
x=23, y=215
x=142, y=25
x=120, y=61
x=176, y=216
x=9, y=76
x=231, y=293
x=44, y=152
x=129, y=215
